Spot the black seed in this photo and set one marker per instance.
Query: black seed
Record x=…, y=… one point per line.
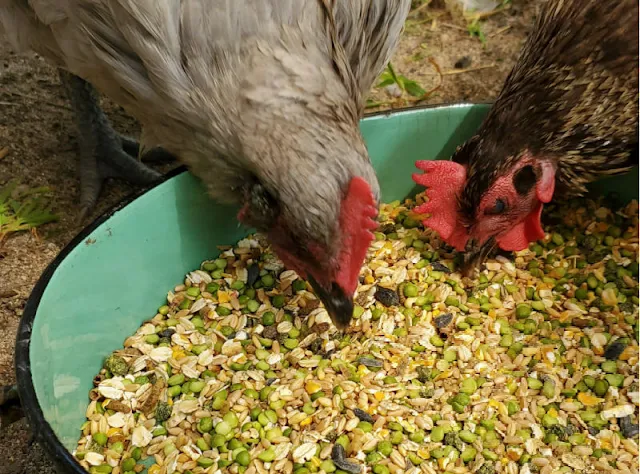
x=386, y=296
x=253, y=272
x=593, y=431
x=443, y=320
x=613, y=350
x=362, y=415
x=628, y=428
x=369, y=362
x=440, y=267
x=167, y=332
x=338, y=457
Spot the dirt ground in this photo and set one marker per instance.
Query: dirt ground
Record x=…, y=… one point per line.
x=437, y=51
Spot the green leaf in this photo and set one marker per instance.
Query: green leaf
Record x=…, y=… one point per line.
x=413, y=88
x=386, y=82
x=23, y=210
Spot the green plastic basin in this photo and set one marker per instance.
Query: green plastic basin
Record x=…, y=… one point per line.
x=116, y=273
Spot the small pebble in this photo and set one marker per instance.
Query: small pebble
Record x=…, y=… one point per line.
x=463, y=63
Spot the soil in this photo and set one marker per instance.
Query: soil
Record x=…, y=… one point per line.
x=36, y=125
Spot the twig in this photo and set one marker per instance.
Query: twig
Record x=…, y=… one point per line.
x=482, y=16
x=500, y=31
x=42, y=101
x=455, y=72
x=420, y=8
x=455, y=27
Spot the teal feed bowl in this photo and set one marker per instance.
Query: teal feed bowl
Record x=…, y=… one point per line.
x=115, y=273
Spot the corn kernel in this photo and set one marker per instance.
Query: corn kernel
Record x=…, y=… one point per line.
x=307, y=421
x=223, y=297
x=588, y=400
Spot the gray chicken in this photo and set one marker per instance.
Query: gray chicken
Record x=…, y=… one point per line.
x=261, y=99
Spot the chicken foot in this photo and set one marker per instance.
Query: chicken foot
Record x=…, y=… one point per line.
x=10, y=407
x=103, y=153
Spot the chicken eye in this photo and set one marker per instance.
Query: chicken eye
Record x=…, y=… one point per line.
x=498, y=208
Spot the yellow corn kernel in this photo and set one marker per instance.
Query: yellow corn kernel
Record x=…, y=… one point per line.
x=178, y=354
x=553, y=412
x=424, y=453
x=628, y=352
x=588, y=400
x=312, y=387
x=443, y=375
x=369, y=279
x=379, y=396
x=605, y=443
x=223, y=297
x=155, y=469
x=113, y=431
x=307, y=421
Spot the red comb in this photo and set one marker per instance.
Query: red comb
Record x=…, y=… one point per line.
x=443, y=180
x=357, y=216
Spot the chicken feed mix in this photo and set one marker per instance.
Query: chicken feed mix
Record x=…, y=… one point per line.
x=529, y=367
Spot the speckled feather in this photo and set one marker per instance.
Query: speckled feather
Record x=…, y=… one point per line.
x=572, y=96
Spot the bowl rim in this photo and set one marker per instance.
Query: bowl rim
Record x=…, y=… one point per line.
x=44, y=433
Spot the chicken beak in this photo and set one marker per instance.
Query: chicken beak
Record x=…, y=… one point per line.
x=475, y=255
x=338, y=304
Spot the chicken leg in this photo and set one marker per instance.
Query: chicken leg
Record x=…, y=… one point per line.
x=103, y=153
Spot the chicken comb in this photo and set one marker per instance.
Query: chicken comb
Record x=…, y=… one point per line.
x=443, y=180
x=357, y=221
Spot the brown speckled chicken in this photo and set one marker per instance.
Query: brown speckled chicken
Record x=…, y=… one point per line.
x=260, y=98
x=566, y=116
